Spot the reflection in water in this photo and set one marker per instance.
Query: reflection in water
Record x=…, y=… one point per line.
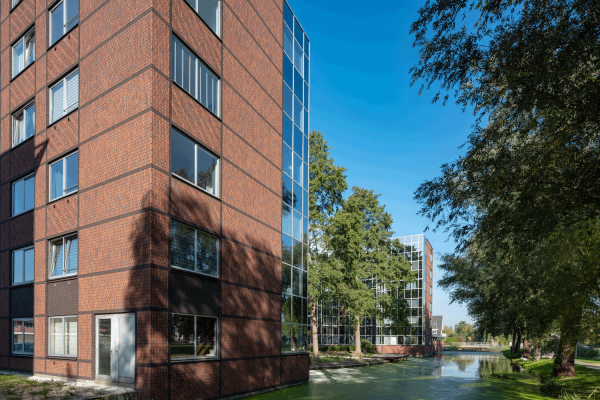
x=452, y=375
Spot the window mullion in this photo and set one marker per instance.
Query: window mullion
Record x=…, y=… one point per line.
x=195, y=249
x=196, y=164
x=195, y=336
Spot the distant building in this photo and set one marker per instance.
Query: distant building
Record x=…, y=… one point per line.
x=437, y=327
x=418, y=339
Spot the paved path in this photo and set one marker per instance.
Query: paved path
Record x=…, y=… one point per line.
x=590, y=365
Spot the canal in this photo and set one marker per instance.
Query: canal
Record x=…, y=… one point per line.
x=450, y=375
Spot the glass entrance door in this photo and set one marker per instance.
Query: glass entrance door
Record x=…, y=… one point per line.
x=115, y=347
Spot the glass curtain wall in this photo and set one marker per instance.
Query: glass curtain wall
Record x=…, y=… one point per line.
x=294, y=224
x=331, y=319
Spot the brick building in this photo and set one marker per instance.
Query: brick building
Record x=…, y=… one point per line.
x=143, y=152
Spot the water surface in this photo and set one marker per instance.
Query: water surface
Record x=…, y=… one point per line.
x=450, y=375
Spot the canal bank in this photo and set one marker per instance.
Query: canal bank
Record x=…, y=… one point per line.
x=448, y=375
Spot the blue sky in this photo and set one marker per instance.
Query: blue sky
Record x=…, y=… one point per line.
x=389, y=138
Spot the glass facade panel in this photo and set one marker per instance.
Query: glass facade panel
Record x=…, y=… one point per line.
x=294, y=314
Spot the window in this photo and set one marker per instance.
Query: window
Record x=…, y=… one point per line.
x=194, y=250
x=64, y=97
x=22, y=265
x=64, y=176
x=23, y=124
x=194, y=77
x=193, y=163
x=193, y=336
x=63, y=256
x=208, y=10
x=14, y=3
x=63, y=17
x=23, y=195
x=24, y=52
x=23, y=336
x=63, y=336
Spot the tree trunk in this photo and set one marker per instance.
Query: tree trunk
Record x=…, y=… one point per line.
x=537, y=354
x=564, y=362
x=315, y=336
x=357, y=349
x=518, y=345
x=514, y=342
x=526, y=348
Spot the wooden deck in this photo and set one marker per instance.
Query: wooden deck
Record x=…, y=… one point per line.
x=391, y=357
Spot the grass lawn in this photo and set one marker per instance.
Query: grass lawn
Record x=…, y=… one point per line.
x=585, y=383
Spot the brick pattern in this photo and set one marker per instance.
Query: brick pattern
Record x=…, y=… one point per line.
x=294, y=368
x=246, y=375
x=63, y=55
x=197, y=381
x=246, y=302
x=252, y=338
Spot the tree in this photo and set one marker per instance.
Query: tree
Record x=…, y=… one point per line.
x=448, y=330
x=360, y=245
x=326, y=187
x=530, y=171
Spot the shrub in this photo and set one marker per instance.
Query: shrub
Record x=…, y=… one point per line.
x=587, y=352
x=366, y=345
x=551, y=386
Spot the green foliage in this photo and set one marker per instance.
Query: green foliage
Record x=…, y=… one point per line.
x=366, y=345
x=509, y=354
x=551, y=386
x=587, y=352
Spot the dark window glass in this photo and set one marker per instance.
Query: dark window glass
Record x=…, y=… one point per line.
x=297, y=197
x=182, y=336
x=288, y=101
x=307, y=46
x=298, y=86
x=286, y=219
x=209, y=12
x=286, y=279
x=298, y=139
x=288, y=16
x=298, y=33
x=296, y=310
x=297, y=254
x=297, y=169
x=287, y=190
x=207, y=253
x=57, y=21
x=206, y=337
x=286, y=249
x=288, y=43
x=288, y=130
x=182, y=246
x=286, y=307
x=305, y=202
x=306, y=176
x=305, y=259
x=287, y=160
x=304, y=315
x=288, y=72
x=305, y=230
x=306, y=70
x=182, y=156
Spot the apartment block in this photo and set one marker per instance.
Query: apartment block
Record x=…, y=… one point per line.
x=416, y=340
x=142, y=159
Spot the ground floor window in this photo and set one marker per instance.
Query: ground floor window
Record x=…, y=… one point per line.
x=23, y=336
x=63, y=336
x=193, y=336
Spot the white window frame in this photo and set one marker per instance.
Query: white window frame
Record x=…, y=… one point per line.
x=195, y=8
x=218, y=167
x=196, y=95
x=12, y=266
x=23, y=110
x=196, y=251
x=72, y=107
x=24, y=320
x=31, y=176
x=64, y=19
x=196, y=338
x=65, y=258
x=25, y=64
x=64, y=177
x=50, y=335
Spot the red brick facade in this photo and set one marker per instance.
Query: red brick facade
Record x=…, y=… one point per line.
x=127, y=196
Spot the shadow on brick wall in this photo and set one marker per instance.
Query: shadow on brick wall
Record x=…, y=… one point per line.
x=250, y=319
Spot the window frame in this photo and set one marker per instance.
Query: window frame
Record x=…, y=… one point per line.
x=196, y=230
x=15, y=44
x=12, y=266
x=219, y=8
x=12, y=192
x=65, y=23
x=66, y=111
x=64, y=177
x=22, y=353
x=65, y=259
x=198, y=358
x=197, y=145
x=22, y=110
x=15, y=4
x=50, y=336
x=181, y=42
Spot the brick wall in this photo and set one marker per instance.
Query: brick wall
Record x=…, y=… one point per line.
x=127, y=196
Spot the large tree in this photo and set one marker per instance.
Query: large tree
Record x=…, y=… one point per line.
x=326, y=187
x=361, y=248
